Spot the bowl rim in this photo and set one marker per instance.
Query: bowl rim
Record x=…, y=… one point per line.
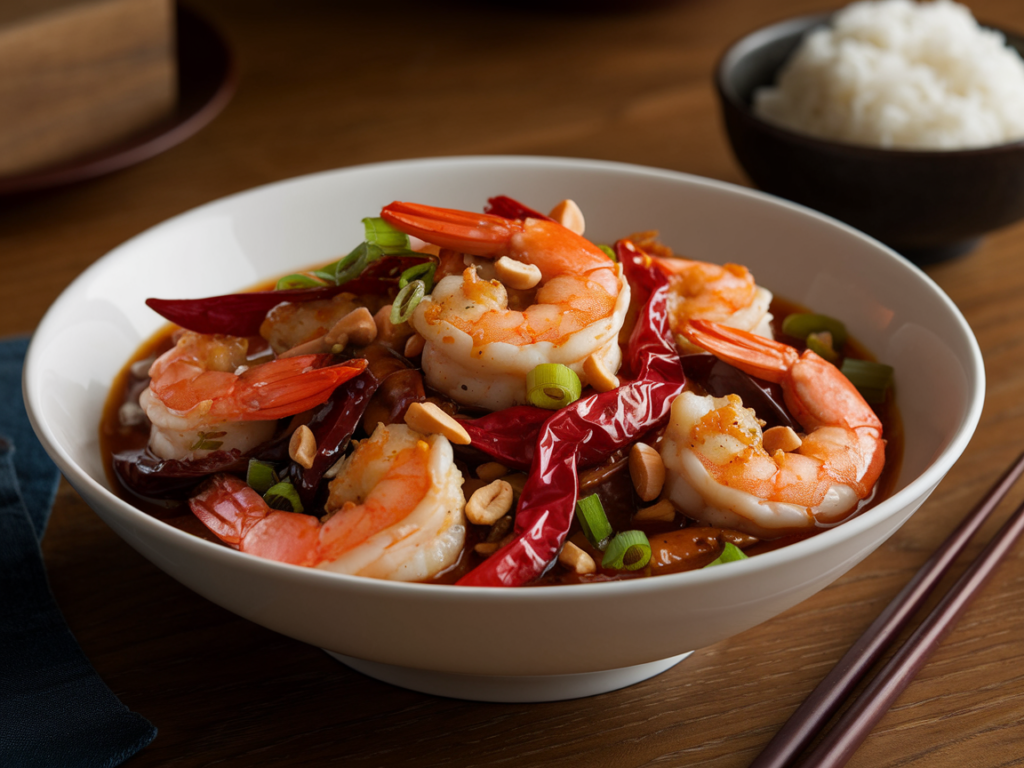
x=920, y=486
x=754, y=40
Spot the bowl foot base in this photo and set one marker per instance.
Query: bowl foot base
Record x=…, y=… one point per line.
x=510, y=688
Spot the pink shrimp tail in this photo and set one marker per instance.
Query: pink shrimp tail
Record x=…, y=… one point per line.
x=480, y=234
x=239, y=516
x=284, y=387
x=816, y=392
x=764, y=358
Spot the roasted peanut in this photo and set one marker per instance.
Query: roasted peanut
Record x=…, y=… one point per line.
x=575, y=559
x=414, y=346
x=569, y=215
x=516, y=274
x=664, y=511
x=302, y=447
x=781, y=439
x=388, y=333
x=312, y=347
x=431, y=420
x=358, y=327
x=491, y=470
x=647, y=471
x=489, y=504
x=599, y=377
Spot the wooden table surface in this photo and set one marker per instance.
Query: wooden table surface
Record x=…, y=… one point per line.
x=324, y=86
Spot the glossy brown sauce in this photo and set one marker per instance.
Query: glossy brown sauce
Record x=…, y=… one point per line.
x=610, y=480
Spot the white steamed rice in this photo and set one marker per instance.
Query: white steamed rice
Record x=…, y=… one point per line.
x=903, y=75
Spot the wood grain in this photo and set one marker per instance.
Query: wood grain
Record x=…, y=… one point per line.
x=324, y=85
x=80, y=75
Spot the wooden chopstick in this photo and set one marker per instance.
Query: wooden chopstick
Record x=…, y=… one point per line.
x=832, y=691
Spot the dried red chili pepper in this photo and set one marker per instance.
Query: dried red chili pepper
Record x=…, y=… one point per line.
x=240, y=314
x=582, y=434
x=333, y=425
x=502, y=205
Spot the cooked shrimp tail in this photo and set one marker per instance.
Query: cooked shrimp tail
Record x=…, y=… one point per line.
x=480, y=234
x=285, y=387
x=203, y=395
x=816, y=392
x=209, y=375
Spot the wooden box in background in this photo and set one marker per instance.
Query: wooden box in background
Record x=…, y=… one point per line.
x=79, y=75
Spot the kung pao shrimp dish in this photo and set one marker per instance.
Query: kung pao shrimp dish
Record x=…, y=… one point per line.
x=491, y=399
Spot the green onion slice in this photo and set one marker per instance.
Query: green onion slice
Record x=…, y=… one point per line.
x=424, y=272
x=385, y=236
x=871, y=379
x=261, y=476
x=822, y=344
x=594, y=521
x=730, y=553
x=629, y=551
x=360, y=258
x=283, y=496
x=381, y=239
x=407, y=300
x=552, y=386
x=609, y=252
x=800, y=325
x=300, y=281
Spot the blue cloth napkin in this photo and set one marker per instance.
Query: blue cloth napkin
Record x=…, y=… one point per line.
x=54, y=709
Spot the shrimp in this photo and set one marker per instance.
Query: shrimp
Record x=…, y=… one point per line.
x=482, y=336
x=718, y=469
x=204, y=396
x=288, y=325
x=700, y=290
x=395, y=511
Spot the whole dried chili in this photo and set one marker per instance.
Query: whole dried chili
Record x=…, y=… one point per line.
x=333, y=425
x=240, y=314
x=502, y=205
x=581, y=434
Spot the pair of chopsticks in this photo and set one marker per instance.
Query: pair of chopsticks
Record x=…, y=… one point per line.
x=842, y=740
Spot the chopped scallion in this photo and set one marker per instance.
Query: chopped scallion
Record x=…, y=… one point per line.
x=800, y=325
x=260, y=475
x=424, y=272
x=629, y=551
x=283, y=496
x=594, y=521
x=407, y=300
x=822, y=344
x=871, y=379
x=730, y=554
x=552, y=386
x=299, y=281
x=385, y=236
x=352, y=266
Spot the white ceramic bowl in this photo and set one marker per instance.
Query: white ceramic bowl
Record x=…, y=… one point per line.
x=516, y=644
